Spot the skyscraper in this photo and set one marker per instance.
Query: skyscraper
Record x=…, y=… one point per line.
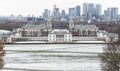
x=114, y=13
x=77, y=10
x=63, y=14
x=111, y=13
x=56, y=13
x=85, y=8
x=45, y=15
x=91, y=8
x=98, y=10
x=72, y=12
x=88, y=11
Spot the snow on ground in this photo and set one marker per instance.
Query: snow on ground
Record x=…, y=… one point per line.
x=63, y=57
x=57, y=47
x=30, y=42
x=90, y=41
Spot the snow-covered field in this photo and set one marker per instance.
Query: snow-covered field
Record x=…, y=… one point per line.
x=52, y=57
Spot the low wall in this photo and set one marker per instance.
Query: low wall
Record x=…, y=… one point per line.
x=31, y=38
x=85, y=38
x=46, y=38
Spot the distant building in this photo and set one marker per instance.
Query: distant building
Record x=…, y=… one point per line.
x=111, y=14
x=46, y=14
x=98, y=10
x=56, y=13
x=85, y=9
x=91, y=9
x=89, y=16
x=71, y=24
x=49, y=25
x=114, y=13
x=88, y=11
x=77, y=10
x=91, y=12
x=72, y=13
x=63, y=14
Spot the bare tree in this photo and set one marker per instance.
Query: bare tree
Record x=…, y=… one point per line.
x=110, y=58
x=1, y=54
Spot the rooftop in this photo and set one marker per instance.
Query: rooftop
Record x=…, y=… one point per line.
x=86, y=27
x=60, y=31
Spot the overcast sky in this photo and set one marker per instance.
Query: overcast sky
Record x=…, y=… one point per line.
x=36, y=7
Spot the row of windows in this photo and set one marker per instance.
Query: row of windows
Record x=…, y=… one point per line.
x=67, y=39
x=52, y=35
x=67, y=36
x=55, y=35
x=52, y=39
x=64, y=39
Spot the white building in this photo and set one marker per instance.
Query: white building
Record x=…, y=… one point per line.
x=4, y=37
x=85, y=30
x=31, y=30
x=112, y=37
x=60, y=35
x=102, y=34
x=52, y=37
x=109, y=37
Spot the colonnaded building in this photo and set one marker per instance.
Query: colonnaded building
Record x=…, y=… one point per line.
x=58, y=32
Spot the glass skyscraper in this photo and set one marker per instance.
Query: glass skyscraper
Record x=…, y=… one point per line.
x=77, y=10
x=98, y=10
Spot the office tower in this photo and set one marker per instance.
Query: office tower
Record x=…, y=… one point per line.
x=85, y=8
x=105, y=13
x=114, y=13
x=111, y=13
x=46, y=14
x=77, y=10
x=63, y=14
x=72, y=12
x=98, y=10
x=91, y=9
x=88, y=11
x=56, y=13
x=85, y=11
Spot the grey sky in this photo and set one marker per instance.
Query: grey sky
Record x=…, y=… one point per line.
x=36, y=7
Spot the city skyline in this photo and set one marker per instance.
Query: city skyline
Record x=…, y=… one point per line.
x=36, y=8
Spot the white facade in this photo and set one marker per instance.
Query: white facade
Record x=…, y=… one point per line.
x=68, y=37
x=52, y=37
x=60, y=35
x=112, y=37
x=102, y=34
x=109, y=37
x=9, y=39
x=18, y=34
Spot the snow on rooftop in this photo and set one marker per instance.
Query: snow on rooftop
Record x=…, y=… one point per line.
x=60, y=30
x=4, y=31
